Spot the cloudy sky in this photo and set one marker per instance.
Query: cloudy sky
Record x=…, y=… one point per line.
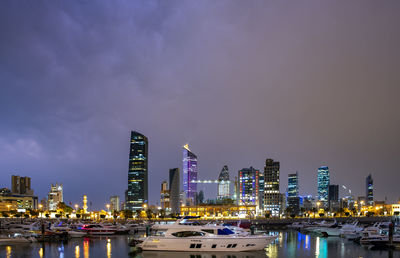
x=307, y=83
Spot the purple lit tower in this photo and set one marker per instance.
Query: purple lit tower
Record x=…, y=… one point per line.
x=189, y=174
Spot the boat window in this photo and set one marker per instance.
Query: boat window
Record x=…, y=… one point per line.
x=229, y=246
x=192, y=245
x=225, y=231
x=211, y=231
x=234, y=245
x=159, y=232
x=188, y=233
x=214, y=246
x=198, y=246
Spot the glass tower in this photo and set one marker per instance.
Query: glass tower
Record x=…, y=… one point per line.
x=137, y=194
x=272, y=196
x=223, y=184
x=293, y=185
x=174, y=182
x=249, y=186
x=369, y=185
x=189, y=175
x=323, y=184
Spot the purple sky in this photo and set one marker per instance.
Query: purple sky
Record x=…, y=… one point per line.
x=306, y=83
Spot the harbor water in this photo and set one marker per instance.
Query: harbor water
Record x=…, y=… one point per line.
x=288, y=244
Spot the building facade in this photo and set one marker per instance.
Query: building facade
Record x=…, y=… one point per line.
x=369, y=190
x=272, y=196
x=165, y=196
x=333, y=196
x=189, y=175
x=174, y=190
x=21, y=185
x=323, y=185
x=55, y=196
x=249, y=186
x=114, y=203
x=137, y=194
x=224, y=184
x=293, y=200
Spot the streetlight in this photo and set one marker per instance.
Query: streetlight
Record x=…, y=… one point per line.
x=108, y=207
x=76, y=207
x=40, y=209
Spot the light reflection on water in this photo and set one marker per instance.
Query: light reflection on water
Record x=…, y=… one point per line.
x=287, y=244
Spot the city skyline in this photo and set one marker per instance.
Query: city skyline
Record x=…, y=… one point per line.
x=240, y=82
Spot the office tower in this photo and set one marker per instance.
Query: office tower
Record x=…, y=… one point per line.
x=236, y=191
x=261, y=190
x=369, y=187
x=137, y=194
x=174, y=191
x=323, y=185
x=55, y=196
x=114, y=203
x=272, y=196
x=248, y=186
x=165, y=196
x=333, y=193
x=223, y=184
x=21, y=185
x=293, y=200
x=189, y=175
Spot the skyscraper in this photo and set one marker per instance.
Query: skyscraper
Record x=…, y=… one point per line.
x=369, y=188
x=323, y=184
x=293, y=199
x=137, y=194
x=333, y=194
x=189, y=175
x=174, y=190
x=272, y=197
x=165, y=196
x=248, y=186
x=224, y=184
x=55, y=196
x=21, y=185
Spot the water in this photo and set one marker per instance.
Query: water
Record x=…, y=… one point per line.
x=289, y=244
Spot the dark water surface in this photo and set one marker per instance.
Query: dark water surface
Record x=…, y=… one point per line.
x=289, y=244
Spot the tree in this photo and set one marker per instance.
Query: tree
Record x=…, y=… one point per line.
x=65, y=208
x=149, y=213
x=127, y=214
x=161, y=213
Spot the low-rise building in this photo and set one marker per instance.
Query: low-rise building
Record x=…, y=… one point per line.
x=240, y=211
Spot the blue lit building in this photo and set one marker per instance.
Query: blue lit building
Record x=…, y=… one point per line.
x=137, y=193
x=249, y=186
x=272, y=196
x=293, y=199
x=224, y=184
x=189, y=175
x=369, y=187
x=323, y=184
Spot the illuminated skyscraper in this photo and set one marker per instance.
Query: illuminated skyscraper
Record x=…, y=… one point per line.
x=249, y=186
x=272, y=196
x=137, y=194
x=189, y=175
x=165, y=196
x=114, y=203
x=293, y=200
x=223, y=183
x=369, y=187
x=55, y=196
x=323, y=184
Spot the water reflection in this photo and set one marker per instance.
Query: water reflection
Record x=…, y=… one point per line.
x=108, y=248
x=41, y=253
x=77, y=251
x=201, y=255
x=86, y=248
x=8, y=251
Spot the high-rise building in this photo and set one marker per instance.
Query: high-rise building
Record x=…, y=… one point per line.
x=55, y=196
x=224, y=184
x=114, y=203
x=21, y=185
x=369, y=188
x=293, y=200
x=165, y=196
x=272, y=196
x=261, y=189
x=323, y=185
x=137, y=194
x=333, y=195
x=174, y=190
x=189, y=175
x=248, y=186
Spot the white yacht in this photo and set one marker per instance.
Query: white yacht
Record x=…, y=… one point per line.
x=177, y=237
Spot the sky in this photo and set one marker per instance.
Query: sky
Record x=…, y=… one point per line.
x=306, y=83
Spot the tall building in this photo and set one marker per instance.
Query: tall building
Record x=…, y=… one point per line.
x=224, y=184
x=189, y=175
x=21, y=185
x=293, y=199
x=55, y=196
x=114, y=203
x=323, y=185
x=369, y=188
x=165, y=196
x=174, y=191
x=272, y=196
x=249, y=186
x=333, y=195
x=137, y=194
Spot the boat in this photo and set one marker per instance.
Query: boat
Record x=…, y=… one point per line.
x=76, y=233
x=351, y=230
x=97, y=229
x=16, y=239
x=199, y=238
